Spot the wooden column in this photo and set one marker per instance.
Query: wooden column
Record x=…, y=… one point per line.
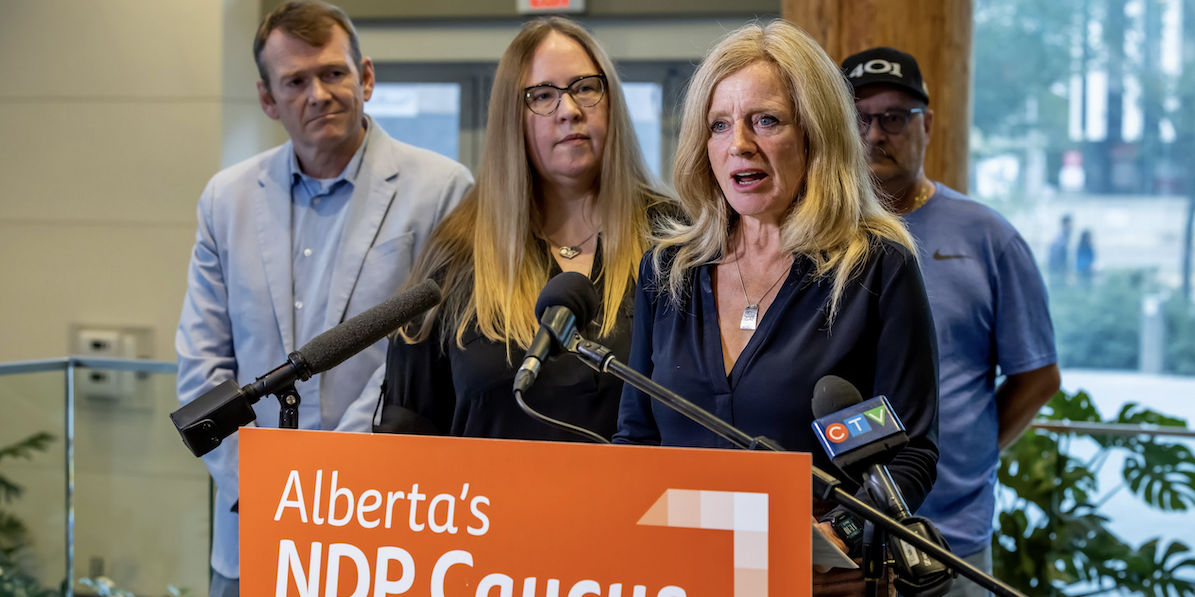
x=936, y=32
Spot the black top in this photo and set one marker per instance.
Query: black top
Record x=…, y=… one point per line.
x=881, y=340
x=439, y=388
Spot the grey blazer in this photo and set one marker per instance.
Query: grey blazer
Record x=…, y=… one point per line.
x=238, y=321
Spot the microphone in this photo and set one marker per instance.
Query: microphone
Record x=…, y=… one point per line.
x=859, y=435
x=568, y=299
x=204, y=422
x=854, y=432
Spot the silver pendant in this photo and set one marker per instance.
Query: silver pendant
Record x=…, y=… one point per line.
x=570, y=252
x=750, y=315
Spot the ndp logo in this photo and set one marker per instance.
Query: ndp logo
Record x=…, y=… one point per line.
x=856, y=425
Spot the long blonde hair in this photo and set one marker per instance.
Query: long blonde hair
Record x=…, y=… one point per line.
x=485, y=254
x=836, y=218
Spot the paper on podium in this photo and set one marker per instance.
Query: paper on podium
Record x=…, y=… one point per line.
x=826, y=554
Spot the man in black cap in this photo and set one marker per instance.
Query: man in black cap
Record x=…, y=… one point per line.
x=987, y=297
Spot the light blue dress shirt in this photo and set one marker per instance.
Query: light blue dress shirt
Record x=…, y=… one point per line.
x=318, y=210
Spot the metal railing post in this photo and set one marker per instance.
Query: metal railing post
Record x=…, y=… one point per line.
x=70, y=478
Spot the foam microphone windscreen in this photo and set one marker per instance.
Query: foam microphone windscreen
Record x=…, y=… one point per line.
x=832, y=394
x=572, y=291
x=334, y=346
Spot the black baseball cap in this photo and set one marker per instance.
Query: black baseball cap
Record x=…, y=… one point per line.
x=888, y=66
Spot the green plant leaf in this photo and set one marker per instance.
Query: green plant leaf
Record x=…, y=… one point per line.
x=9, y=491
x=1075, y=407
x=1161, y=474
x=1053, y=534
x=1134, y=414
x=26, y=447
x=13, y=534
x=1152, y=570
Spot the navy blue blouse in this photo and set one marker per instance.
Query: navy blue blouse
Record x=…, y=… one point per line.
x=881, y=340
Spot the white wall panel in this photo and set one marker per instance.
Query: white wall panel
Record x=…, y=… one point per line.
x=58, y=273
x=107, y=161
x=112, y=48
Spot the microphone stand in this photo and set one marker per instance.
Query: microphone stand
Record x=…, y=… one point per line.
x=874, y=561
x=825, y=485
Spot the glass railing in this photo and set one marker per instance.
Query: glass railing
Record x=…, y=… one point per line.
x=107, y=490
x=1089, y=507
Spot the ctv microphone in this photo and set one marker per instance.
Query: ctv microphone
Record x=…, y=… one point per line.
x=204, y=422
x=854, y=432
x=859, y=435
x=568, y=301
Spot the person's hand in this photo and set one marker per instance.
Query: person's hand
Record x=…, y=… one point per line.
x=828, y=531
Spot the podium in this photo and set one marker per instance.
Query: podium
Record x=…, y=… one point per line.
x=360, y=515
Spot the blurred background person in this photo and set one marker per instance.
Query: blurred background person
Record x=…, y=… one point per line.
x=1058, y=260
x=790, y=270
x=562, y=187
x=1085, y=257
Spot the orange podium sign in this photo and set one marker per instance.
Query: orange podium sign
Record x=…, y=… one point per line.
x=356, y=515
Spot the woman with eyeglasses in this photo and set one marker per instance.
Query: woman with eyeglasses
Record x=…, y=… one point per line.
x=562, y=187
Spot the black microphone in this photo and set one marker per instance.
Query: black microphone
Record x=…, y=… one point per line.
x=859, y=436
x=568, y=301
x=204, y=422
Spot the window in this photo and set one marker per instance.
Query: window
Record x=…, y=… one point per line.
x=646, y=104
x=1080, y=137
x=426, y=115
x=1083, y=153
x=442, y=107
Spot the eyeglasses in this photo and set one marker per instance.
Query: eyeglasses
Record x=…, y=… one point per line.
x=893, y=122
x=545, y=99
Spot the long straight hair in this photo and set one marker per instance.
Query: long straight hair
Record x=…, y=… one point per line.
x=485, y=251
x=836, y=219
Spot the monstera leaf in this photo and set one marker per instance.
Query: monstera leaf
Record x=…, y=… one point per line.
x=1039, y=470
x=1153, y=570
x=1161, y=474
x=1020, y=564
x=1135, y=414
x=1076, y=407
x=1052, y=535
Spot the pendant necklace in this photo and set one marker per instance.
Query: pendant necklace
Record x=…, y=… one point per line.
x=571, y=251
x=751, y=313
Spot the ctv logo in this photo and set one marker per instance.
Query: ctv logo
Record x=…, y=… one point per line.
x=856, y=425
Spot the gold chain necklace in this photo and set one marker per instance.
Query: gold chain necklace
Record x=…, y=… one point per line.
x=923, y=195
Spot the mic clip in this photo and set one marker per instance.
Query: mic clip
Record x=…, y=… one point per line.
x=591, y=353
x=288, y=400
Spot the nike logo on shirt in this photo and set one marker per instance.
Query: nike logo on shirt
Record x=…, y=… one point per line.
x=938, y=256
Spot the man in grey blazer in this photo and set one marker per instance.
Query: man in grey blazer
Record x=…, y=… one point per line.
x=297, y=239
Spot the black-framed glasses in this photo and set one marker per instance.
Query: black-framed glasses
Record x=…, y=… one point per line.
x=545, y=99
x=893, y=122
